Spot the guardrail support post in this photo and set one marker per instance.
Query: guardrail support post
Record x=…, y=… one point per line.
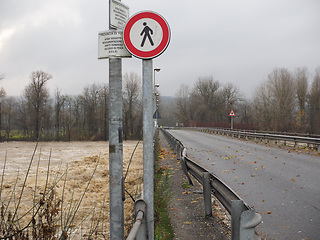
x=249, y=220
x=207, y=195
x=185, y=170
x=175, y=147
x=237, y=207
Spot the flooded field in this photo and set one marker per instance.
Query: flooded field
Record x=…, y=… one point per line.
x=70, y=166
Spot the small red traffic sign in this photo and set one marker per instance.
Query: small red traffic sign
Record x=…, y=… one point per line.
x=146, y=35
x=231, y=114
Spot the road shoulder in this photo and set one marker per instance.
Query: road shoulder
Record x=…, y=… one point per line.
x=186, y=208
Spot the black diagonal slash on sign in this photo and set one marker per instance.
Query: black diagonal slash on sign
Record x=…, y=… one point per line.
x=146, y=31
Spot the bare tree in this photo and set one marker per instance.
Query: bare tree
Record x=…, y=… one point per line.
x=207, y=100
x=231, y=95
x=22, y=116
x=281, y=83
x=59, y=102
x=91, y=117
x=37, y=96
x=68, y=117
x=183, y=104
x=314, y=103
x=132, y=106
x=103, y=104
x=301, y=81
x=168, y=111
x=245, y=113
x=262, y=108
x=274, y=101
x=2, y=96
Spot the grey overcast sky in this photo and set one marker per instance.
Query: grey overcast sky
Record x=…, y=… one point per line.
x=234, y=41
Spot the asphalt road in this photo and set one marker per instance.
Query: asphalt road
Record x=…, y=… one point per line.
x=282, y=185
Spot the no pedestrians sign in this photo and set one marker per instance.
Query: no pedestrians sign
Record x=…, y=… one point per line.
x=146, y=35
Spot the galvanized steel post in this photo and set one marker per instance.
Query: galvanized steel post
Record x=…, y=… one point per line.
x=249, y=220
x=207, y=195
x=237, y=207
x=148, y=158
x=115, y=149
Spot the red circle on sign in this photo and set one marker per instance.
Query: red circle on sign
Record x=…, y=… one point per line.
x=165, y=35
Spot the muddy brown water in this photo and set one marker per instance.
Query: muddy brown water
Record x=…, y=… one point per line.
x=78, y=160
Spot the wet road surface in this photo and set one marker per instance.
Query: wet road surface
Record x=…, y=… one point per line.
x=282, y=185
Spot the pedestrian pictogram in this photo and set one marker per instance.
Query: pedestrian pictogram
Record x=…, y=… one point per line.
x=231, y=114
x=146, y=35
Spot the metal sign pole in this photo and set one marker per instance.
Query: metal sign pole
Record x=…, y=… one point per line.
x=115, y=148
x=231, y=122
x=136, y=45
x=148, y=158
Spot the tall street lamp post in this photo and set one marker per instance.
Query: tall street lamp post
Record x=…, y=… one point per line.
x=155, y=95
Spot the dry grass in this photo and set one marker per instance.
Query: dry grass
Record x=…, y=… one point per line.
x=61, y=192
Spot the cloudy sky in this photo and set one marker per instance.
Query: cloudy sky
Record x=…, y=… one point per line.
x=234, y=41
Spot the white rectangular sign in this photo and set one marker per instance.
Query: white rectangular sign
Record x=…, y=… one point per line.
x=111, y=45
x=119, y=14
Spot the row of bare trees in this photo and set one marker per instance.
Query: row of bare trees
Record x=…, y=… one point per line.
x=285, y=101
x=288, y=101
x=37, y=115
x=208, y=102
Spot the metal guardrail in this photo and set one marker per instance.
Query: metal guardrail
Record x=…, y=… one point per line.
x=244, y=219
x=284, y=137
x=139, y=229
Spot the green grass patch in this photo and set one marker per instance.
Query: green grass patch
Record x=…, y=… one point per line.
x=185, y=185
x=162, y=196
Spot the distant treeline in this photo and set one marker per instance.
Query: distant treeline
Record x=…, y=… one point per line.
x=285, y=102
x=37, y=115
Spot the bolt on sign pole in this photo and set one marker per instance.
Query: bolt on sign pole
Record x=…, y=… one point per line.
x=146, y=35
x=111, y=46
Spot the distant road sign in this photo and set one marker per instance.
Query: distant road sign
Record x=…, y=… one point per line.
x=119, y=14
x=231, y=114
x=111, y=45
x=146, y=35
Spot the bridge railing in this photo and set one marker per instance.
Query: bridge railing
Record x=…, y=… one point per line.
x=244, y=219
x=295, y=138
